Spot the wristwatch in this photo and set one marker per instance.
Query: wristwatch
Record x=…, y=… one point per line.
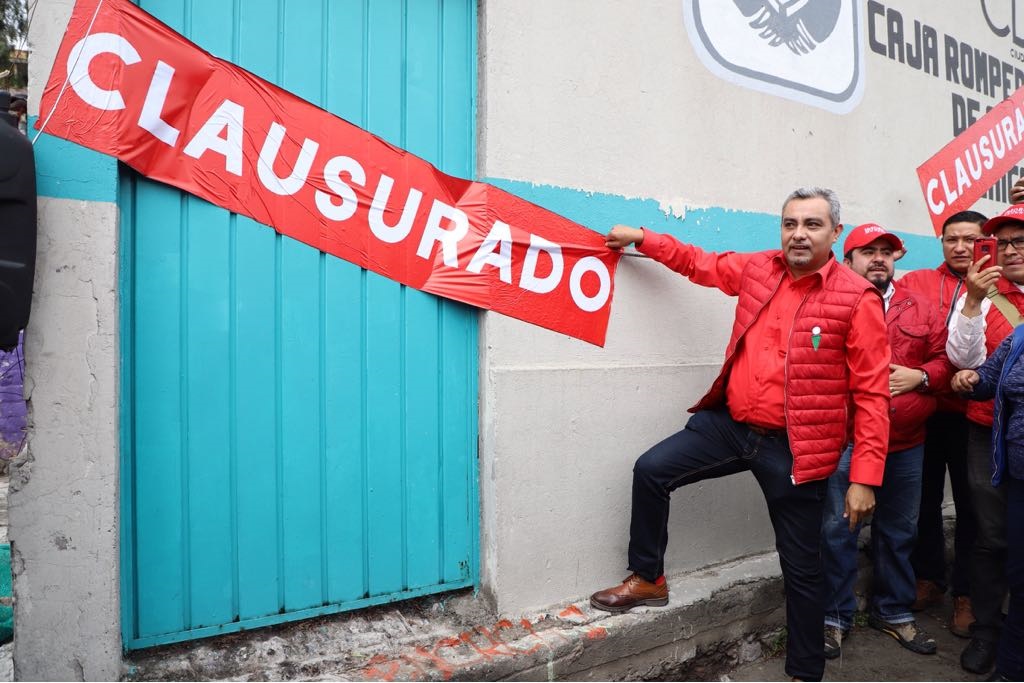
x=924, y=381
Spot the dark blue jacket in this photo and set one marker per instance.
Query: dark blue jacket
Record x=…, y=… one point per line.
x=1002, y=378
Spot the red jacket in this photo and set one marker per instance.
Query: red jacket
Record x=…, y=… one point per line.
x=917, y=336
x=942, y=287
x=817, y=378
x=997, y=328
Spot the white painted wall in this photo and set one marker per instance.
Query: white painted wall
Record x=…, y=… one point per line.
x=609, y=96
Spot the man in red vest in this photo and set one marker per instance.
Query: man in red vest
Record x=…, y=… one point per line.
x=917, y=336
x=807, y=358
x=945, y=444
x=982, y=318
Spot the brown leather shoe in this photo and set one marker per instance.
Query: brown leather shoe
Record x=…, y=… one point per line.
x=963, y=617
x=928, y=594
x=631, y=593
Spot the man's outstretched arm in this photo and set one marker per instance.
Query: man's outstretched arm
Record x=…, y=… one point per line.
x=708, y=269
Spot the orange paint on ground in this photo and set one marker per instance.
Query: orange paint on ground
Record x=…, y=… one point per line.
x=441, y=664
x=421, y=663
x=571, y=611
x=381, y=669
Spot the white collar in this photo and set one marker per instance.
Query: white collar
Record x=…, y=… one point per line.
x=887, y=296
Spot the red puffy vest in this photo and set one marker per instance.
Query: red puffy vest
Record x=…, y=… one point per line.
x=817, y=381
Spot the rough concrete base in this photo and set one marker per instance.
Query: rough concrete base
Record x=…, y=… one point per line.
x=716, y=619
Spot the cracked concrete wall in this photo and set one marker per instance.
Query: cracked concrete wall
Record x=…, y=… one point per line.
x=63, y=495
x=64, y=492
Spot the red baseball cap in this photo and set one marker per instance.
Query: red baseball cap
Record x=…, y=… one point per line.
x=1014, y=214
x=863, y=235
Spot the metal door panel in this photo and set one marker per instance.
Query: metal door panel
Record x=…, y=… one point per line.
x=301, y=433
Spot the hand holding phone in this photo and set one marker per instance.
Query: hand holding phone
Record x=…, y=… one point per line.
x=985, y=246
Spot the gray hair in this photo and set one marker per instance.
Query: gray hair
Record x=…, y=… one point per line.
x=814, y=193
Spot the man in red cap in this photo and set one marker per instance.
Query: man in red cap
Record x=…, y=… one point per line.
x=917, y=337
x=945, y=442
x=982, y=318
x=807, y=358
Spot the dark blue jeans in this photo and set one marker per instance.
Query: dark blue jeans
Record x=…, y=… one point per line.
x=714, y=445
x=1010, y=660
x=893, y=533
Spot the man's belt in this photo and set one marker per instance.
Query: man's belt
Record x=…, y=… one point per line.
x=765, y=431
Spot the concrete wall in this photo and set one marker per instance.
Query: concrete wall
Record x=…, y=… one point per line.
x=604, y=111
x=601, y=110
x=64, y=496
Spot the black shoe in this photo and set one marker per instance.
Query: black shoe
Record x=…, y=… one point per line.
x=996, y=676
x=908, y=634
x=979, y=656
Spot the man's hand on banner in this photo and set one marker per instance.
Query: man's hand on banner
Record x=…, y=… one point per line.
x=621, y=236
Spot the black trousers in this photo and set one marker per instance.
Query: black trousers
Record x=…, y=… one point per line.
x=945, y=448
x=714, y=445
x=988, y=561
x=1010, y=661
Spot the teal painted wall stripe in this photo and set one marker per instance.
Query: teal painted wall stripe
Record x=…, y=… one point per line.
x=66, y=170
x=713, y=229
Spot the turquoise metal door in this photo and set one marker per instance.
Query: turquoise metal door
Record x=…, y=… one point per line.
x=299, y=435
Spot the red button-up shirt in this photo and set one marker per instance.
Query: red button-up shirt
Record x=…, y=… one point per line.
x=756, y=392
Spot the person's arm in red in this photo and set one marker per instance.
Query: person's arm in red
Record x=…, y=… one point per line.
x=938, y=367
x=868, y=364
x=867, y=358
x=704, y=268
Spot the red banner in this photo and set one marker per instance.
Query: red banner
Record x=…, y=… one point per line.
x=127, y=85
x=973, y=161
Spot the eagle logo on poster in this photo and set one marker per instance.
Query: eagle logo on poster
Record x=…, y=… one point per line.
x=804, y=50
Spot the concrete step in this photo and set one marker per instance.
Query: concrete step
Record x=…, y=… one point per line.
x=716, y=618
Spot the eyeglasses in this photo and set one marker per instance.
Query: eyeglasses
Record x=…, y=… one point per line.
x=1017, y=243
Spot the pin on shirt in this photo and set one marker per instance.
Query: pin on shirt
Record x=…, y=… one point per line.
x=815, y=337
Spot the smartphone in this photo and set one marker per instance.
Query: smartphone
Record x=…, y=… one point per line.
x=985, y=246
